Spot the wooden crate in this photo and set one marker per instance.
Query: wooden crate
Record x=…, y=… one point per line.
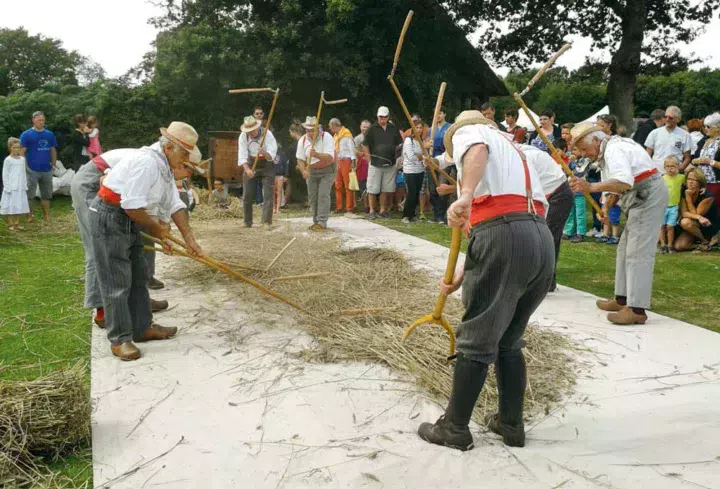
x=224, y=153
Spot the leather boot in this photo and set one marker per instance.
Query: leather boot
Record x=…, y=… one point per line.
x=157, y=332
x=451, y=430
x=155, y=284
x=157, y=306
x=511, y=375
x=126, y=351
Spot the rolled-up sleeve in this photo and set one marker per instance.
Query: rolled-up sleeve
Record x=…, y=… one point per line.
x=328, y=144
x=271, y=145
x=618, y=166
x=172, y=202
x=242, y=149
x=139, y=183
x=463, y=139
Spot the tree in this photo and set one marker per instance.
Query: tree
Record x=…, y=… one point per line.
x=628, y=28
x=28, y=62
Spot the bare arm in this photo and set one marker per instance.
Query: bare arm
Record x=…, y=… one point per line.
x=701, y=210
x=53, y=156
x=686, y=160
x=474, y=164
x=611, y=186
x=650, y=151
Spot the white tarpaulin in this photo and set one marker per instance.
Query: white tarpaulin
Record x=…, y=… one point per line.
x=524, y=121
x=593, y=118
x=61, y=179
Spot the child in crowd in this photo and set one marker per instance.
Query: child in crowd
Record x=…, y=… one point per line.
x=14, y=201
x=400, y=191
x=94, y=149
x=281, y=173
x=221, y=198
x=611, y=230
x=575, y=225
x=674, y=182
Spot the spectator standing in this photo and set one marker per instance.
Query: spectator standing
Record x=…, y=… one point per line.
x=511, y=117
x=488, y=111
x=438, y=199
x=415, y=118
x=14, y=201
x=282, y=170
x=248, y=149
x=657, y=119
x=345, y=159
x=699, y=218
x=575, y=226
x=320, y=173
x=669, y=140
x=362, y=162
x=94, y=149
x=708, y=159
x=80, y=142
x=695, y=129
x=547, y=127
x=40, y=151
x=381, y=143
x=674, y=182
x=414, y=171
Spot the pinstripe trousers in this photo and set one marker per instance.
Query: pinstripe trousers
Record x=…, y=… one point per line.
x=121, y=271
x=561, y=202
x=508, y=270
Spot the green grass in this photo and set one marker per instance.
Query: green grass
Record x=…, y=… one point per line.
x=686, y=285
x=43, y=326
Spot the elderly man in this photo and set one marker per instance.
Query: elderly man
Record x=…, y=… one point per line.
x=628, y=176
x=508, y=271
x=362, y=161
x=381, y=145
x=669, y=140
x=345, y=160
x=248, y=148
x=39, y=146
x=136, y=184
x=320, y=174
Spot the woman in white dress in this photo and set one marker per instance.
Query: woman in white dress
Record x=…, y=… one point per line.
x=14, y=200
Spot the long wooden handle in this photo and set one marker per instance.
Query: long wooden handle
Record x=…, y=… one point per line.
x=557, y=156
x=250, y=90
x=398, y=50
x=267, y=128
x=316, y=130
x=455, y=240
x=414, y=131
x=333, y=102
x=433, y=127
x=546, y=67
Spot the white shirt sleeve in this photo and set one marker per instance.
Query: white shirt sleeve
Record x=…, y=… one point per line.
x=300, y=153
x=328, y=145
x=688, y=144
x=618, y=166
x=6, y=174
x=242, y=149
x=271, y=145
x=650, y=141
x=463, y=139
x=138, y=185
x=171, y=203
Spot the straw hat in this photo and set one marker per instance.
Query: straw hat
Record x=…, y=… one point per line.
x=250, y=123
x=465, y=118
x=185, y=136
x=581, y=130
x=310, y=122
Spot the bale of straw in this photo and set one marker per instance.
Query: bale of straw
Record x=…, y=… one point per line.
x=41, y=419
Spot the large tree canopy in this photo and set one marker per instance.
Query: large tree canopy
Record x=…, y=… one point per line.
x=521, y=32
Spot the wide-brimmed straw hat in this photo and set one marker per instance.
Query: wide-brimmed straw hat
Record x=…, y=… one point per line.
x=465, y=118
x=581, y=130
x=185, y=136
x=310, y=122
x=250, y=123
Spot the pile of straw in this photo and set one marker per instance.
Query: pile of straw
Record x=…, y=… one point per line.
x=40, y=420
x=392, y=293
x=208, y=212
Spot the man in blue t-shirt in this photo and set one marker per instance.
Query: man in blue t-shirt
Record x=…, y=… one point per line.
x=437, y=146
x=39, y=146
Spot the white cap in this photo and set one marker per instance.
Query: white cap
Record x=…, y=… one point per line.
x=383, y=111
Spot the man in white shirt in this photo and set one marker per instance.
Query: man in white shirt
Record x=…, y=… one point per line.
x=630, y=178
x=507, y=273
x=321, y=172
x=345, y=159
x=137, y=186
x=669, y=140
x=250, y=146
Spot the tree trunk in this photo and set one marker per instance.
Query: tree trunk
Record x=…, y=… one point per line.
x=625, y=63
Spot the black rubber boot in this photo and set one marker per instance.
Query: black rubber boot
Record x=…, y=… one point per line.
x=511, y=375
x=451, y=430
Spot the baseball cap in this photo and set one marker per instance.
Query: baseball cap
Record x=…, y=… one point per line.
x=383, y=111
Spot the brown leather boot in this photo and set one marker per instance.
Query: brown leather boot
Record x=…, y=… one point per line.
x=157, y=332
x=157, y=306
x=155, y=284
x=626, y=316
x=610, y=305
x=126, y=351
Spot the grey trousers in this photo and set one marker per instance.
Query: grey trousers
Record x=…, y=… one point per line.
x=508, y=269
x=121, y=272
x=319, y=189
x=561, y=202
x=249, y=191
x=644, y=206
x=83, y=189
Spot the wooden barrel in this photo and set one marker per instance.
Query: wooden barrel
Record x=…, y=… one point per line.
x=224, y=153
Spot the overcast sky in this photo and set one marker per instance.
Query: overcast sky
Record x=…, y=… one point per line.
x=116, y=34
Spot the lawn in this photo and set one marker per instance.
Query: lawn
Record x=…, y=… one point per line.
x=43, y=326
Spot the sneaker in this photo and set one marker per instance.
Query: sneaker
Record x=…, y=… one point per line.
x=384, y=215
x=663, y=250
x=591, y=234
x=612, y=240
x=422, y=217
x=406, y=220
x=565, y=237
x=671, y=250
x=602, y=239
x=372, y=216
x=576, y=239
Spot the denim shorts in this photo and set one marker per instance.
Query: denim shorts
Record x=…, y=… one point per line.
x=671, y=215
x=614, y=215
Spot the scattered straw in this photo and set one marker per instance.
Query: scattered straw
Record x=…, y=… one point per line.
x=206, y=212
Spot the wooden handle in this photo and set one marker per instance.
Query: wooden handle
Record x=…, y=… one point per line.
x=433, y=127
x=455, y=240
x=333, y=102
x=315, y=131
x=398, y=50
x=250, y=90
x=546, y=67
x=267, y=128
x=557, y=156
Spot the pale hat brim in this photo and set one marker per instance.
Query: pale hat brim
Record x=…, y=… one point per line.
x=308, y=126
x=247, y=129
x=591, y=128
x=193, y=151
x=447, y=140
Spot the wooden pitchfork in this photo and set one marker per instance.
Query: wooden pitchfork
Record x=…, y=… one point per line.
x=206, y=260
x=322, y=103
x=391, y=79
x=556, y=154
x=270, y=116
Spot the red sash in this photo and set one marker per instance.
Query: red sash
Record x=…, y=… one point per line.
x=645, y=175
x=109, y=196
